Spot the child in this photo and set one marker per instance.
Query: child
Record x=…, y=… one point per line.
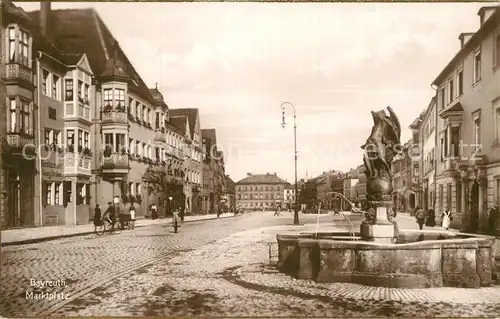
x=132, y=215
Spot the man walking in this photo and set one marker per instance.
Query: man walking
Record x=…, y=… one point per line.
x=420, y=216
x=493, y=219
x=277, y=211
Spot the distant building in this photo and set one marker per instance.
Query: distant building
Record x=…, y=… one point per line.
x=349, y=187
x=258, y=191
x=289, y=196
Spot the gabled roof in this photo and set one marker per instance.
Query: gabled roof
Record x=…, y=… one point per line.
x=12, y=13
x=73, y=59
x=82, y=31
x=180, y=123
x=192, y=115
x=262, y=179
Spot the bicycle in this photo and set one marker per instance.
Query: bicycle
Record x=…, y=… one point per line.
x=107, y=223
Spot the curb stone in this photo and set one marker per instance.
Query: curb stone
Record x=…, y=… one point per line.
x=43, y=239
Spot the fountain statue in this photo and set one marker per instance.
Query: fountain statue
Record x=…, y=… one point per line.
x=379, y=151
x=380, y=254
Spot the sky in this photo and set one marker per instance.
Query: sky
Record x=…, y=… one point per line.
x=335, y=62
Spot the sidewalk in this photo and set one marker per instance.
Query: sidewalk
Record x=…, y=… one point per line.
x=37, y=234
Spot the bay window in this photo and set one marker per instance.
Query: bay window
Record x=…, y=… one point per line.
x=108, y=141
x=80, y=140
x=20, y=116
x=19, y=46
x=157, y=120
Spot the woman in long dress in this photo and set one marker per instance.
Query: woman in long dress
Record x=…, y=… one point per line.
x=446, y=217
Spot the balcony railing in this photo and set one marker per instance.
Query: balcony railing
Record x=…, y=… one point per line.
x=77, y=164
x=17, y=140
x=115, y=163
x=114, y=117
x=19, y=72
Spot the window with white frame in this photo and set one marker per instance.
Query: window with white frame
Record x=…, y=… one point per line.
x=138, y=148
x=81, y=89
x=45, y=82
x=68, y=90
x=86, y=93
x=108, y=97
x=477, y=65
x=477, y=132
x=138, y=189
x=131, y=145
x=145, y=113
x=450, y=91
x=120, y=98
x=460, y=82
x=131, y=188
x=138, y=110
x=86, y=137
x=18, y=53
x=56, y=91
x=57, y=187
x=70, y=137
x=13, y=115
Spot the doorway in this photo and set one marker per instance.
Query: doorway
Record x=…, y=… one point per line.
x=474, y=209
x=14, y=201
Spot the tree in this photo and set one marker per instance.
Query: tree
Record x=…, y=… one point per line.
x=308, y=193
x=165, y=186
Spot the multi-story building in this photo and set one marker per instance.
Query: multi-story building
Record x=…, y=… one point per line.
x=209, y=142
x=193, y=153
x=468, y=127
x=260, y=191
x=289, y=196
x=230, y=194
x=403, y=183
x=425, y=128
x=349, y=187
x=18, y=110
x=219, y=179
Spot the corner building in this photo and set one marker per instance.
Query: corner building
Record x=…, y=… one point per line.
x=468, y=126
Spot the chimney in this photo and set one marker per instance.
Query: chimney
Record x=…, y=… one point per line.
x=464, y=38
x=249, y=174
x=275, y=174
x=45, y=17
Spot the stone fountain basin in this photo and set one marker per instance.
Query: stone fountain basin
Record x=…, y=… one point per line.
x=418, y=259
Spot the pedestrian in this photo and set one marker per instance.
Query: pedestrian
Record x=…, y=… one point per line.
x=97, y=216
x=446, y=219
x=420, y=216
x=154, y=211
x=276, y=211
x=493, y=219
x=431, y=218
x=131, y=211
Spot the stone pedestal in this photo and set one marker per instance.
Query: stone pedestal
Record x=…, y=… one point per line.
x=383, y=231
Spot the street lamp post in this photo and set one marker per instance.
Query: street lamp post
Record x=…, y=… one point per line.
x=283, y=124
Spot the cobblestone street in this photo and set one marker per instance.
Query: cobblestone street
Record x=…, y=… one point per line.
x=225, y=272
x=88, y=262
